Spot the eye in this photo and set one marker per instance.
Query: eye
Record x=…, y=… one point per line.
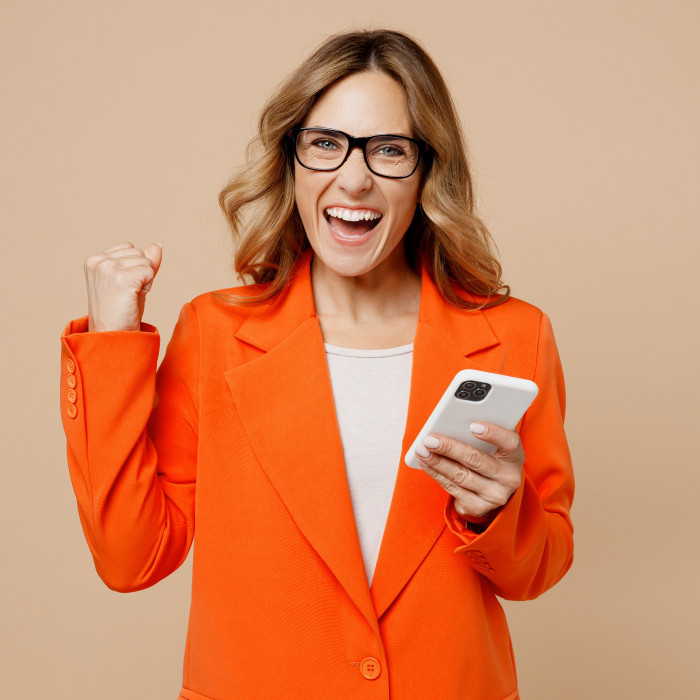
x=390, y=150
x=324, y=144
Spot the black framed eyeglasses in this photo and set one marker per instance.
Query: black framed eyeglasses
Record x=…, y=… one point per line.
x=386, y=155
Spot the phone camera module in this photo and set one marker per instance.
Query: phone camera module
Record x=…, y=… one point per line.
x=473, y=391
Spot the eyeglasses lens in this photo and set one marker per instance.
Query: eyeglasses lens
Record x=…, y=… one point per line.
x=324, y=149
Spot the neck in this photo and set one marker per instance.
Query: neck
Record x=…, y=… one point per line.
x=380, y=294
x=378, y=309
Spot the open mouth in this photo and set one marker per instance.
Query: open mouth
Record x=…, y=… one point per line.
x=351, y=224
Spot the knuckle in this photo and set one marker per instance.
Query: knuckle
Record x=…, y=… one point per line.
x=447, y=446
x=509, y=477
x=514, y=481
x=462, y=476
x=461, y=455
x=105, y=264
x=512, y=441
x=498, y=499
x=482, y=510
x=451, y=487
x=92, y=260
x=123, y=277
x=495, y=492
x=438, y=460
x=461, y=509
x=475, y=459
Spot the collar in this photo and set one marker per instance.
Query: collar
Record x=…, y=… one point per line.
x=269, y=324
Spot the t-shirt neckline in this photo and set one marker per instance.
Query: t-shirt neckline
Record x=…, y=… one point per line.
x=361, y=352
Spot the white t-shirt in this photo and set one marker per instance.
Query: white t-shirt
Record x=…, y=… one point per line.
x=370, y=390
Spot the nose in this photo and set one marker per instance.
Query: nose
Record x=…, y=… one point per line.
x=354, y=176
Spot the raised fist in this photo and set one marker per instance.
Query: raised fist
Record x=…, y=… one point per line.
x=118, y=280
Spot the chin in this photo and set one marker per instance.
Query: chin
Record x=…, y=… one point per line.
x=344, y=267
x=355, y=263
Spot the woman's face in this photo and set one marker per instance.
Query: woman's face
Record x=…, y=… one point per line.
x=361, y=104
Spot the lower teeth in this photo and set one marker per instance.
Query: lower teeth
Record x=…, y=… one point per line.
x=350, y=236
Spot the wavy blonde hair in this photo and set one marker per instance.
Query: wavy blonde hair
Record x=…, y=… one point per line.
x=446, y=234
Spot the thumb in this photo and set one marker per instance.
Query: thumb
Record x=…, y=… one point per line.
x=154, y=253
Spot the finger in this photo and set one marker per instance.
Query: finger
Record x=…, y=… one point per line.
x=154, y=253
x=117, y=270
x=502, y=473
x=467, y=509
x=460, y=472
x=122, y=253
x=470, y=502
x=494, y=491
x=130, y=273
x=123, y=257
x=125, y=244
x=507, y=441
x=462, y=453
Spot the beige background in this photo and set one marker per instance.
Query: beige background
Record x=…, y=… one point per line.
x=122, y=120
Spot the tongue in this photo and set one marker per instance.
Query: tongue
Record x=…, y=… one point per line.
x=352, y=228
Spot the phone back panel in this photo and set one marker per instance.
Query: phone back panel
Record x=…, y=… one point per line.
x=504, y=405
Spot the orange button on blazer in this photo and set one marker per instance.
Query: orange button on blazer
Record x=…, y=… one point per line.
x=235, y=438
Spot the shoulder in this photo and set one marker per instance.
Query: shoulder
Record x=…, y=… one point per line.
x=512, y=317
x=521, y=328
x=216, y=317
x=514, y=313
x=229, y=302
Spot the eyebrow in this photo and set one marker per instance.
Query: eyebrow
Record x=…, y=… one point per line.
x=383, y=133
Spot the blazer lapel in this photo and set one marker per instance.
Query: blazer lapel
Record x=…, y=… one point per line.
x=285, y=401
x=445, y=337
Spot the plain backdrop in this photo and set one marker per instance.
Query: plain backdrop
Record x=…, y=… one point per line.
x=123, y=120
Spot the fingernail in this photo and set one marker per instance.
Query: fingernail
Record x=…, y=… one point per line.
x=160, y=244
x=431, y=442
x=477, y=428
x=422, y=452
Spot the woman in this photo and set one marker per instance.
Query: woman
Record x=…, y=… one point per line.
x=324, y=567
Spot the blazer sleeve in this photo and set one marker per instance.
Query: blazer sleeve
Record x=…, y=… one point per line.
x=528, y=547
x=132, y=446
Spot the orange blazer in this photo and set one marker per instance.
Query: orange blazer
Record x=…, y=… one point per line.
x=237, y=433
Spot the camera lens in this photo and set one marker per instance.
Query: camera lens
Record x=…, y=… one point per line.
x=480, y=392
x=469, y=385
x=462, y=394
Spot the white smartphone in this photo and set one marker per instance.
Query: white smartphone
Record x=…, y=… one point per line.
x=476, y=396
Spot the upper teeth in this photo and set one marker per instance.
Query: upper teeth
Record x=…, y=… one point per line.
x=352, y=214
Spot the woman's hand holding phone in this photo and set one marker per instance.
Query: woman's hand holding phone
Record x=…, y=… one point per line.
x=480, y=483
x=118, y=280
x=469, y=444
